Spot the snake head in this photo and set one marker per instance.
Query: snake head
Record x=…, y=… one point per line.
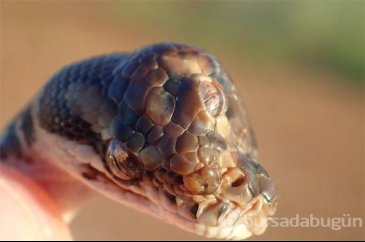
x=182, y=141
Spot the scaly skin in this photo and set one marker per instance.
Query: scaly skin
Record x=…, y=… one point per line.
x=162, y=130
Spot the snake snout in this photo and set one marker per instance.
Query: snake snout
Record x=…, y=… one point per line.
x=259, y=180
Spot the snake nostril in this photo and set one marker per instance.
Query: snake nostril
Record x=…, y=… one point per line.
x=238, y=182
x=235, y=186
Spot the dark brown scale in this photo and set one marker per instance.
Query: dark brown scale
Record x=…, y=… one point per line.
x=173, y=129
x=172, y=86
x=144, y=124
x=163, y=47
x=137, y=88
x=93, y=80
x=128, y=115
x=147, y=58
x=167, y=145
x=174, y=178
x=129, y=68
x=104, y=75
x=155, y=134
x=150, y=157
x=187, y=105
x=117, y=88
x=109, y=108
x=136, y=142
x=168, y=177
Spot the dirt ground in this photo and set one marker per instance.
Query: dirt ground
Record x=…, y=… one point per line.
x=310, y=133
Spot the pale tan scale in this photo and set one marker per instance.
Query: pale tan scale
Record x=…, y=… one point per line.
x=186, y=142
x=202, y=123
x=222, y=125
x=226, y=160
x=208, y=155
x=184, y=163
x=203, y=205
x=199, y=166
x=201, y=78
x=176, y=64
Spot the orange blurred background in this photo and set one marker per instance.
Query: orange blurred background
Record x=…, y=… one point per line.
x=299, y=67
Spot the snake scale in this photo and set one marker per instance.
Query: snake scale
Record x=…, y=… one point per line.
x=161, y=130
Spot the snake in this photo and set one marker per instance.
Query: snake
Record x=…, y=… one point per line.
x=161, y=129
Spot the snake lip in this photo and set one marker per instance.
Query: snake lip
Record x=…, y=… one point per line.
x=234, y=221
x=236, y=231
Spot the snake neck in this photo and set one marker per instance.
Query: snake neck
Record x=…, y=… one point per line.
x=17, y=150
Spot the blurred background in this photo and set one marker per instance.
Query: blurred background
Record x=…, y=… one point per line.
x=298, y=65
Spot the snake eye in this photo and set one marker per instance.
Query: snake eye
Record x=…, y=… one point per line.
x=121, y=162
x=213, y=98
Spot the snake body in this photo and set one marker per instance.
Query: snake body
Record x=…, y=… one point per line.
x=161, y=129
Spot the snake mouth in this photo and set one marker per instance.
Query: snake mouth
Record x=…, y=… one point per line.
x=212, y=218
x=230, y=202
x=226, y=214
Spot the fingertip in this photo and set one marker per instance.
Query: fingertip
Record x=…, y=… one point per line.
x=27, y=211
